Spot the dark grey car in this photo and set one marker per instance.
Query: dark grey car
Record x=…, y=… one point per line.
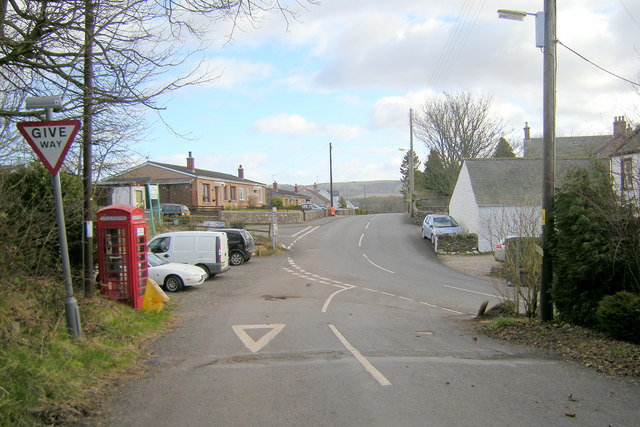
x=241, y=245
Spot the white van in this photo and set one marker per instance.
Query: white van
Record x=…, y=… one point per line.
x=206, y=249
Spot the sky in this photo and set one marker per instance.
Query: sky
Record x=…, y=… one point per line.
x=347, y=72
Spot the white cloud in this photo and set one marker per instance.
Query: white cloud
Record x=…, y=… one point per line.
x=231, y=73
x=296, y=125
x=287, y=124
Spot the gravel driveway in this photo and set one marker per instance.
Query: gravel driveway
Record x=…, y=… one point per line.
x=473, y=265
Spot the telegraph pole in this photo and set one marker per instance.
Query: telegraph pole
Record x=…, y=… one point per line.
x=411, y=165
x=330, y=175
x=87, y=159
x=549, y=154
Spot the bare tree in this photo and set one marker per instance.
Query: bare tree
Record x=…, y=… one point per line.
x=458, y=126
x=519, y=228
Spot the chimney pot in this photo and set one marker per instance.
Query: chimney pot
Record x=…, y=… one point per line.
x=275, y=186
x=240, y=172
x=295, y=188
x=191, y=162
x=527, y=131
x=619, y=126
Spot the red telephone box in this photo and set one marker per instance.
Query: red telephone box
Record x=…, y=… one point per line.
x=122, y=253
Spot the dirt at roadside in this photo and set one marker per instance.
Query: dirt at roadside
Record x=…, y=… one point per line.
x=479, y=266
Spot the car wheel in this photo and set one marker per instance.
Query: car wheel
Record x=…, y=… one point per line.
x=236, y=258
x=206, y=270
x=173, y=283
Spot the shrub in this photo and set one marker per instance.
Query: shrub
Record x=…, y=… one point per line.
x=276, y=202
x=596, y=246
x=619, y=316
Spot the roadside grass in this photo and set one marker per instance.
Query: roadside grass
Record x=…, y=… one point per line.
x=585, y=346
x=47, y=377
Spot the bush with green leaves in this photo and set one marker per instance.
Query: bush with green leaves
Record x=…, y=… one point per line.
x=596, y=246
x=619, y=316
x=28, y=228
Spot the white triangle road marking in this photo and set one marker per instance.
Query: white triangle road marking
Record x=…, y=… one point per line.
x=254, y=346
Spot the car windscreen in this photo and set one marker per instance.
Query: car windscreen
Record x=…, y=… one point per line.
x=154, y=260
x=444, y=221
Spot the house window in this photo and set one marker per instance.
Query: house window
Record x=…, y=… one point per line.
x=259, y=191
x=241, y=189
x=626, y=174
x=206, y=193
x=232, y=193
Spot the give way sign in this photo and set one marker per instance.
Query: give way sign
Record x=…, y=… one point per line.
x=50, y=140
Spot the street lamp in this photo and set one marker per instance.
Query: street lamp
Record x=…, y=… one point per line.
x=545, y=25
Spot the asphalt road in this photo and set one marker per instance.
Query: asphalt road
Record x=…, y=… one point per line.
x=357, y=324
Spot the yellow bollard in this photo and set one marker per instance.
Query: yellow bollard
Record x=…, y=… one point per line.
x=154, y=297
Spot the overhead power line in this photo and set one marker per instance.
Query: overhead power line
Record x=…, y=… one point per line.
x=596, y=65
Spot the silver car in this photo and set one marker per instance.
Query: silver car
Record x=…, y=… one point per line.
x=436, y=224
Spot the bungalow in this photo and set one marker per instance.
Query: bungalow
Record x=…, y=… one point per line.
x=498, y=198
x=199, y=189
x=289, y=198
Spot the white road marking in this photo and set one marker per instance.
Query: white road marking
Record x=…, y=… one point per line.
x=252, y=345
x=452, y=311
x=328, y=301
x=336, y=283
x=360, y=241
x=363, y=360
x=301, y=231
x=376, y=265
x=467, y=290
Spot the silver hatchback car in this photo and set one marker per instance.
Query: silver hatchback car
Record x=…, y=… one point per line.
x=435, y=224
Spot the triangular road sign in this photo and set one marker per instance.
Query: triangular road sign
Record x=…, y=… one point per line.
x=254, y=346
x=50, y=140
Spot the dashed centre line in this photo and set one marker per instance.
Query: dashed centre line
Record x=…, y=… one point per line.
x=300, y=272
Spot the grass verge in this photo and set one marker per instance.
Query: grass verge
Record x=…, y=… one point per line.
x=48, y=378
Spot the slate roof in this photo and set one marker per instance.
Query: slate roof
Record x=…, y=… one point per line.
x=189, y=175
x=630, y=146
x=203, y=173
x=514, y=182
x=288, y=193
x=567, y=146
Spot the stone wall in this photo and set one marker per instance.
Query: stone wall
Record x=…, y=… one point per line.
x=232, y=218
x=457, y=243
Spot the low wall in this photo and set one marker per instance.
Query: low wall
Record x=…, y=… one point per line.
x=255, y=217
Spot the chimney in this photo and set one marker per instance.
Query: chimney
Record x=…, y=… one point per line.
x=240, y=172
x=295, y=188
x=619, y=126
x=191, y=162
x=527, y=131
x=275, y=186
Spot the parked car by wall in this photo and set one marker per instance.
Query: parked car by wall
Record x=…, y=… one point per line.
x=174, y=209
x=310, y=206
x=208, y=250
x=173, y=276
x=435, y=224
x=512, y=247
x=241, y=245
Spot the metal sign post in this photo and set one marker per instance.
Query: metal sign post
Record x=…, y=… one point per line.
x=51, y=141
x=274, y=228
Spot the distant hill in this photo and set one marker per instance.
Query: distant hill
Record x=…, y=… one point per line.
x=360, y=189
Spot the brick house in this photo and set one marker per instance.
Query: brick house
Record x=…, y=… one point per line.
x=199, y=189
x=289, y=198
